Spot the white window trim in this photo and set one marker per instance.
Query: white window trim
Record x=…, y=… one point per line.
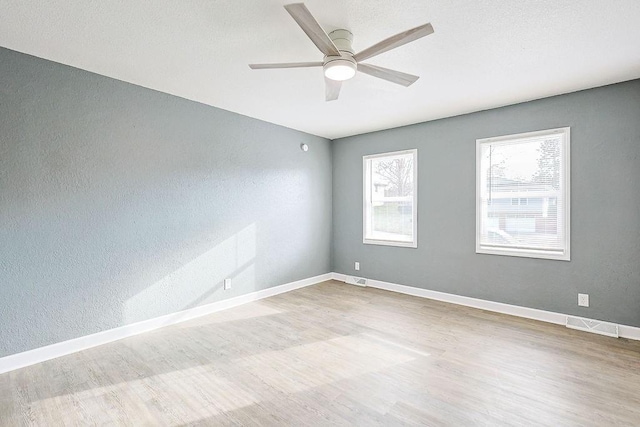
x=414, y=213
x=566, y=177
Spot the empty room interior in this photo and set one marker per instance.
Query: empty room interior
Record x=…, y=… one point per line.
x=407, y=212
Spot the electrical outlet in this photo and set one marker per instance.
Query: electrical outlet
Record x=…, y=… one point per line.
x=357, y=267
x=583, y=300
x=227, y=284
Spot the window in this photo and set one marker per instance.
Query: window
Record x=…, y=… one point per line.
x=390, y=198
x=522, y=203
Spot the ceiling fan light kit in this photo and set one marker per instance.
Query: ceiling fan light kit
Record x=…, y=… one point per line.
x=340, y=61
x=340, y=67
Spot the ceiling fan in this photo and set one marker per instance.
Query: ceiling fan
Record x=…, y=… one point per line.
x=340, y=62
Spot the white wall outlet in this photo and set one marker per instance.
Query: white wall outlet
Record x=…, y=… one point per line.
x=227, y=284
x=357, y=266
x=583, y=300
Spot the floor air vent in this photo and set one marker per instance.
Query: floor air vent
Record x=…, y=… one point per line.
x=356, y=281
x=595, y=326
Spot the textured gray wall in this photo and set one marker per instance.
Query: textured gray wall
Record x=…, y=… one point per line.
x=605, y=207
x=119, y=203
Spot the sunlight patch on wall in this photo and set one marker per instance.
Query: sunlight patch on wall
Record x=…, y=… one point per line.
x=200, y=281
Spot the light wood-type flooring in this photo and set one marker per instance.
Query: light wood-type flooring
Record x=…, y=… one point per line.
x=335, y=354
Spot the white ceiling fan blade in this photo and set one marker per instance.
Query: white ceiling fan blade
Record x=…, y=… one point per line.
x=393, y=76
x=310, y=26
x=285, y=65
x=331, y=89
x=395, y=41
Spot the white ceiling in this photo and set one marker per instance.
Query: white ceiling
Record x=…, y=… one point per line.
x=483, y=54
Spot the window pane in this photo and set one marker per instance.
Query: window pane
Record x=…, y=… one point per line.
x=393, y=218
x=522, y=194
x=389, y=198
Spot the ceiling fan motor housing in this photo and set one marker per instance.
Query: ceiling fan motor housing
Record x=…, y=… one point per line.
x=342, y=39
x=341, y=67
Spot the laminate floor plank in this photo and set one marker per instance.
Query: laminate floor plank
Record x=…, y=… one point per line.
x=334, y=354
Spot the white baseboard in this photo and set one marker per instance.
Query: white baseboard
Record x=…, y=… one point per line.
x=630, y=332
x=339, y=277
x=41, y=354
x=624, y=331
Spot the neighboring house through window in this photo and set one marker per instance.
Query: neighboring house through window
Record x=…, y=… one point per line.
x=522, y=203
x=390, y=199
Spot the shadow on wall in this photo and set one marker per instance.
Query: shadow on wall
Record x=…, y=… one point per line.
x=199, y=281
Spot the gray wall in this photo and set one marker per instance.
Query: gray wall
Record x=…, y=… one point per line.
x=605, y=207
x=119, y=203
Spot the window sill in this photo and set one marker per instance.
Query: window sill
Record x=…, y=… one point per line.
x=524, y=253
x=413, y=245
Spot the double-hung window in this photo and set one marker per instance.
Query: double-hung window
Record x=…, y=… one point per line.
x=390, y=199
x=522, y=201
